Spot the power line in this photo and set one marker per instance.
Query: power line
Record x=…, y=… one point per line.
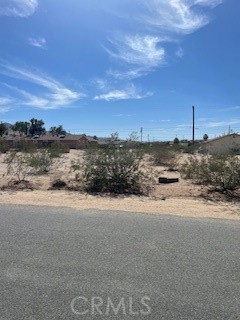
x=155, y=128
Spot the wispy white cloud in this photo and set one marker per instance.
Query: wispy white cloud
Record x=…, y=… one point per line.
x=157, y=121
x=18, y=8
x=143, y=51
x=33, y=76
x=209, y=3
x=4, y=109
x=180, y=52
x=57, y=95
x=124, y=115
x=216, y=124
x=38, y=42
x=170, y=20
x=5, y=104
x=233, y=108
x=127, y=74
x=5, y=101
x=29, y=99
x=100, y=83
x=178, y=16
x=126, y=94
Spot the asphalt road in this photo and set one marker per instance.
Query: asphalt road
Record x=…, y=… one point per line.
x=66, y=264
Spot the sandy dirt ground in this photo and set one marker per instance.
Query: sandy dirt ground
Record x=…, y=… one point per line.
x=182, y=198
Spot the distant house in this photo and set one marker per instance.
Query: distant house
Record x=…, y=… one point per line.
x=46, y=140
x=70, y=141
x=224, y=144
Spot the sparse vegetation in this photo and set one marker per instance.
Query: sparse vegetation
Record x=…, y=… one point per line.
x=163, y=156
x=114, y=170
x=3, y=128
x=18, y=165
x=4, y=146
x=221, y=171
x=41, y=161
x=57, y=149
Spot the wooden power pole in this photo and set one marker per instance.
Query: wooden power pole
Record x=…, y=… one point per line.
x=193, y=126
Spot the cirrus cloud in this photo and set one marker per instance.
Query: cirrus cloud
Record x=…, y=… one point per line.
x=130, y=92
x=163, y=21
x=18, y=8
x=178, y=16
x=38, y=42
x=52, y=94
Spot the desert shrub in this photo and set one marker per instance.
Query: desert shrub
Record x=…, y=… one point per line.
x=57, y=149
x=173, y=164
x=163, y=156
x=114, y=170
x=4, y=147
x=220, y=171
x=26, y=147
x=191, y=149
x=18, y=165
x=41, y=161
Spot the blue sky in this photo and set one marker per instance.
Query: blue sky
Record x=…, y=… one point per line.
x=98, y=67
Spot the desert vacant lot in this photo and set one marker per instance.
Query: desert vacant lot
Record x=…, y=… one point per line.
x=182, y=198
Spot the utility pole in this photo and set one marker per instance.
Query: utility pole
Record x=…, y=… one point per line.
x=193, y=126
x=141, y=131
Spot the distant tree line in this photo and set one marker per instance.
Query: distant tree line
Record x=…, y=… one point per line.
x=31, y=128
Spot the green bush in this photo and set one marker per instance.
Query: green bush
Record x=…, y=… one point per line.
x=220, y=171
x=163, y=155
x=114, y=169
x=41, y=161
x=4, y=147
x=57, y=149
x=18, y=165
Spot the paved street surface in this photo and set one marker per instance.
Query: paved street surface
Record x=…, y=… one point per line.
x=66, y=264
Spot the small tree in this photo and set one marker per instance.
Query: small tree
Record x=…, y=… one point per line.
x=60, y=130
x=133, y=137
x=52, y=130
x=114, y=136
x=21, y=126
x=3, y=128
x=176, y=140
x=57, y=130
x=36, y=127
